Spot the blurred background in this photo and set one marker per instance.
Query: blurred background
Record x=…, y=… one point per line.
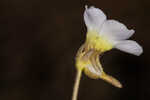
x=39, y=40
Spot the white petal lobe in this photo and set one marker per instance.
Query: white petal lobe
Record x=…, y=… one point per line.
x=94, y=18
x=116, y=30
x=129, y=46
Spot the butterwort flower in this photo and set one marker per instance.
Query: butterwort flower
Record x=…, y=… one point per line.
x=102, y=35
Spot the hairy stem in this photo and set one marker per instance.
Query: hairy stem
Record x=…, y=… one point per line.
x=76, y=85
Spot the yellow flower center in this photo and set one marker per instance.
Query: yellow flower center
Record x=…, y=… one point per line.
x=97, y=42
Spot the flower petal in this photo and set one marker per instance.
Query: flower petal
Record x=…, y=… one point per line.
x=91, y=72
x=94, y=18
x=116, y=30
x=129, y=46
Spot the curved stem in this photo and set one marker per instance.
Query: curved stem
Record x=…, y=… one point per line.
x=76, y=85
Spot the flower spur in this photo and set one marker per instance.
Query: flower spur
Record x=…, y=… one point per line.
x=102, y=35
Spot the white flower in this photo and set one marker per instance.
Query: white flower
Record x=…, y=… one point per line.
x=113, y=31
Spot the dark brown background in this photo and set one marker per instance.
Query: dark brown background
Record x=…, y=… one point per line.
x=39, y=40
